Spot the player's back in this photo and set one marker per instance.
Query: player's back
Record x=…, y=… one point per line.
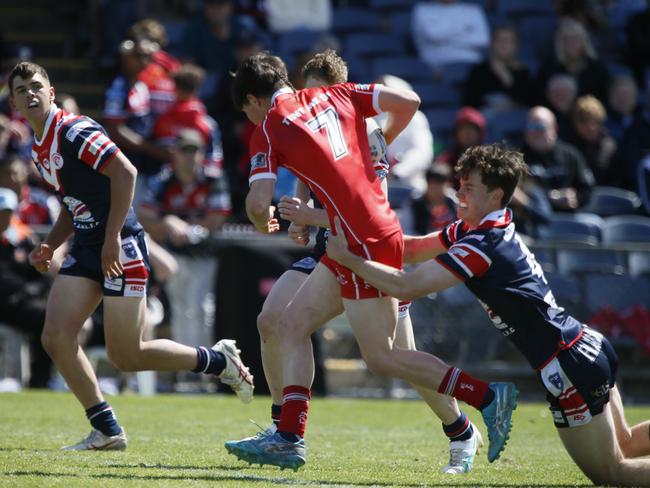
x=319, y=134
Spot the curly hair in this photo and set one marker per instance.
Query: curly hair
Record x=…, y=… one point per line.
x=498, y=166
x=327, y=66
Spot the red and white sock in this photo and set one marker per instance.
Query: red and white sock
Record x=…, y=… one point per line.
x=464, y=387
x=295, y=404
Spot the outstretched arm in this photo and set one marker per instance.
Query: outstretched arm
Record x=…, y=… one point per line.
x=418, y=249
x=259, y=208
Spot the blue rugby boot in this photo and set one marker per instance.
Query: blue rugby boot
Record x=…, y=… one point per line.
x=270, y=449
x=498, y=417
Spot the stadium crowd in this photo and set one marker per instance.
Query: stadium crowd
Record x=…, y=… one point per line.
x=567, y=82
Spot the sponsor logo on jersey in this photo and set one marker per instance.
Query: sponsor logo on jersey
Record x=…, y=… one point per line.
x=57, y=161
x=258, y=161
x=79, y=211
x=362, y=87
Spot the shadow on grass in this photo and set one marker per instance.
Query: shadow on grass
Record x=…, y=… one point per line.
x=261, y=479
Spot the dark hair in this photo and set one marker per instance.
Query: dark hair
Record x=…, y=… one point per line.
x=327, y=66
x=25, y=70
x=188, y=78
x=499, y=167
x=259, y=75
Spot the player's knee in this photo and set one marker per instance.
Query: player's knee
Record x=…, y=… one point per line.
x=379, y=364
x=267, y=324
x=54, y=339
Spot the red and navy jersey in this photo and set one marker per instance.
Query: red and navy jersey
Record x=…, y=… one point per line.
x=168, y=196
x=70, y=157
x=319, y=134
x=38, y=207
x=497, y=267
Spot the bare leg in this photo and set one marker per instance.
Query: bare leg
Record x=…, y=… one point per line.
x=445, y=407
x=281, y=294
x=317, y=301
x=124, y=321
x=63, y=321
x=595, y=450
x=635, y=441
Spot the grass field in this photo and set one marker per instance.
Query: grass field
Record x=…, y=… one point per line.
x=178, y=441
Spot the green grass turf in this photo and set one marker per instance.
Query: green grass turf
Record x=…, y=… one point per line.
x=178, y=441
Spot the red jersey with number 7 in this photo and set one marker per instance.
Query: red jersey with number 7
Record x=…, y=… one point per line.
x=319, y=135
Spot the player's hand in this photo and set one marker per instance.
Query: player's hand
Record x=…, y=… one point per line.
x=272, y=224
x=299, y=233
x=337, y=244
x=111, y=265
x=294, y=210
x=41, y=257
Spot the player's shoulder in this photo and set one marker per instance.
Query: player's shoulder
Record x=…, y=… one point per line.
x=79, y=129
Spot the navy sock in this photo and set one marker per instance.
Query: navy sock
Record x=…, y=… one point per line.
x=460, y=430
x=276, y=410
x=289, y=436
x=488, y=398
x=209, y=361
x=102, y=417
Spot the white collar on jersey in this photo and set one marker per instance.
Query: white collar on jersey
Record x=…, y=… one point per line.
x=281, y=91
x=495, y=216
x=50, y=117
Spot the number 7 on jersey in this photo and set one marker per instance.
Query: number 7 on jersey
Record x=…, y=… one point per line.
x=329, y=120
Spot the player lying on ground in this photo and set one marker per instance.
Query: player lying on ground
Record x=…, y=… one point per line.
x=108, y=260
x=325, y=69
x=319, y=134
x=575, y=363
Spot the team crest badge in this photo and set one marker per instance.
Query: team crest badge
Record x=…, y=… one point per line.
x=556, y=380
x=129, y=250
x=258, y=160
x=57, y=161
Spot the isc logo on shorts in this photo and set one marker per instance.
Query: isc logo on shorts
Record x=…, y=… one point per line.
x=134, y=291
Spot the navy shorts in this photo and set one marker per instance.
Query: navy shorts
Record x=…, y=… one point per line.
x=86, y=261
x=308, y=263
x=578, y=380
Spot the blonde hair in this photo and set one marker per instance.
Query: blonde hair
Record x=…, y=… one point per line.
x=327, y=66
x=570, y=26
x=589, y=108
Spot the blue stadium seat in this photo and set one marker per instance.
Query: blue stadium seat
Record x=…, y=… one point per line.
x=580, y=227
x=391, y=4
x=566, y=290
x=626, y=228
x=617, y=291
x=297, y=41
x=437, y=95
x=399, y=194
x=517, y=8
x=372, y=44
x=408, y=67
x=608, y=200
x=639, y=263
x=174, y=30
x=454, y=72
x=501, y=125
x=537, y=32
x=577, y=261
x=545, y=257
x=355, y=20
x=441, y=119
x=400, y=24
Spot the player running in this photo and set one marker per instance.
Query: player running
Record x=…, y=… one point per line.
x=108, y=260
x=325, y=69
x=319, y=134
x=575, y=363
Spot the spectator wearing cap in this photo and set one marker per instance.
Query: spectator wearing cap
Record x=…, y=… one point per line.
x=558, y=167
x=590, y=137
x=184, y=195
x=501, y=81
x=127, y=112
x=575, y=55
x=436, y=207
x=208, y=40
x=469, y=130
x=189, y=112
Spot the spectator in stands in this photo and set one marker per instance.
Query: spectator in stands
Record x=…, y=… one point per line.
x=558, y=167
x=591, y=138
x=235, y=127
x=184, y=200
x=189, y=112
x=153, y=31
x=501, y=81
x=286, y=15
x=127, y=113
x=411, y=153
x=447, y=31
x=23, y=290
x=67, y=102
x=575, y=55
x=634, y=147
x=561, y=93
x=14, y=135
x=437, y=206
x=638, y=45
x=469, y=130
x=208, y=39
x=623, y=106
x=36, y=206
